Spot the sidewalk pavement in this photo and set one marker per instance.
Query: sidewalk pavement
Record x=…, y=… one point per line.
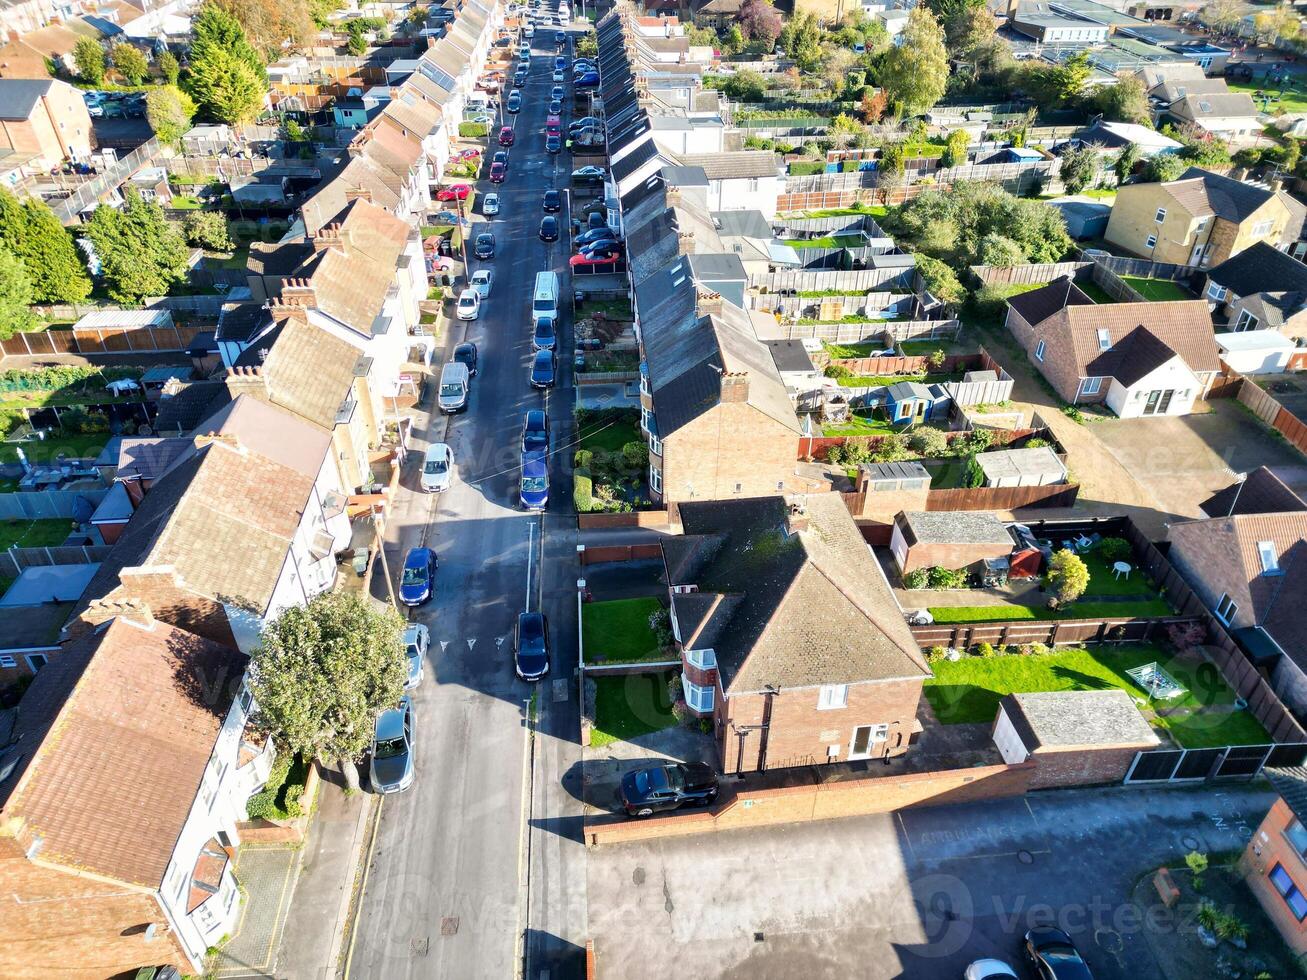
x=267, y=873
x=314, y=937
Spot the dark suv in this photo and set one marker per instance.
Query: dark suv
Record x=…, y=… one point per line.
x=648, y=791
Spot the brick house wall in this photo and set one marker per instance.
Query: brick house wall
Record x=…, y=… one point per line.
x=951, y=555
x=58, y=923
x=800, y=733
x=1083, y=765
x=732, y=450
x=1058, y=366
x=1229, y=239
x=1269, y=846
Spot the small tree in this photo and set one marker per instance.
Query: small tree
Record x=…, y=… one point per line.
x=169, y=68
x=928, y=441
x=130, y=63
x=169, y=112
x=15, y=295
x=323, y=672
x=1197, y=863
x=207, y=229
x=141, y=253
x=89, y=58
x=1068, y=575
x=1079, y=168
x=955, y=152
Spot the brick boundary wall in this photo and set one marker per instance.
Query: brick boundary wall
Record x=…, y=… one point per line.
x=828, y=801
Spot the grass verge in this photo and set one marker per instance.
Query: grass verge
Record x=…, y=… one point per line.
x=618, y=631
x=629, y=706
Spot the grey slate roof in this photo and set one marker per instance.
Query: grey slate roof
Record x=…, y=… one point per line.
x=1038, y=305
x=1260, y=492
x=1291, y=783
x=1260, y=268
x=952, y=527
x=1085, y=718
x=797, y=608
x=790, y=355
x=19, y=96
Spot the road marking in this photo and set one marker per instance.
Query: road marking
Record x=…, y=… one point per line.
x=363, y=886
x=524, y=846
x=530, y=550
x=471, y=642
x=443, y=645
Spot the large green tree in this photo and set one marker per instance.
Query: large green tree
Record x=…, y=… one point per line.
x=32, y=233
x=130, y=63
x=271, y=25
x=1126, y=101
x=1080, y=168
x=226, y=77
x=323, y=672
x=15, y=295
x=141, y=252
x=88, y=55
x=169, y=112
x=914, y=73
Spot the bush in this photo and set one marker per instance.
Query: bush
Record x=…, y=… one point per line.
x=948, y=578
x=935, y=653
x=1035, y=443
x=928, y=441
x=582, y=491
x=918, y=578
x=1114, y=550
x=636, y=455
x=472, y=130
x=1074, y=414
x=973, y=476
x=77, y=421
x=1068, y=575
x=1186, y=636
x=984, y=649
x=263, y=804
x=583, y=458
x=837, y=371
x=890, y=449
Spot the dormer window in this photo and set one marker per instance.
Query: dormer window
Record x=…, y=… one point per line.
x=1104, y=340
x=1269, y=558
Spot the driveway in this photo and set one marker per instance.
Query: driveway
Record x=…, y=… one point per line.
x=918, y=894
x=1182, y=461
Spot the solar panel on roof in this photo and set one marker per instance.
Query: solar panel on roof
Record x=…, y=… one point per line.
x=437, y=75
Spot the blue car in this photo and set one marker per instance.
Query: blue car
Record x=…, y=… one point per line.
x=534, y=492
x=418, y=577
x=589, y=80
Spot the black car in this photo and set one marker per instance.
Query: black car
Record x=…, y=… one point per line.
x=549, y=228
x=543, y=369
x=501, y=156
x=535, y=431
x=545, y=336
x=553, y=145
x=556, y=107
x=531, y=646
x=515, y=99
x=553, y=201
x=467, y=354
x=485, y=245
x=560, y=38
x=1054, y=956
x=647, y=791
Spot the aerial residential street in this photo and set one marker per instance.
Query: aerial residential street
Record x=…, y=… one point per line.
x=446, y=892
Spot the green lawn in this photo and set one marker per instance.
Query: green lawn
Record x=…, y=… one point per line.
x=968, y=690
x=827, y=241
x=618, y=631
x=860, y=425
x=1290, y=101
x=946, y=474
x=1095, y=292
x=1102, y=582
x=1157, y=290
x=237, y=260
x=629, y=706
x=924, y=348
x=862, y=348
x=1142, y=608
x=34, y=534
x=875, y=210
x=611, y=433
x=78, y=446
x=875, y=380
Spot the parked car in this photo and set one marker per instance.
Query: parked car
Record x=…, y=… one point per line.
x=531, y=646
x=1053, y=956
x=593, y=235
x=466, y=354
x=603, y=258
x=490, y=205
x=553, y=144
x=417, y=577
x=557, y=92
x=589, y=80
x=417, y=639
x=604, y=243
x=553, y=125
x=545, y=336
x=505, y=135
x=515, y=97
x=392, y=749
x=543, y=369
x=558, y=75
x=482, y=280
x=498, y=172
x=553, y=201
x=549, y=228
x=437, y=468
x=469, y=304
x=454, y=192
x=658, y=788
x=560, y=63
x=501, y=156
x=556, y=108
x=484, y=247
x=989, y=970
x=535, y=431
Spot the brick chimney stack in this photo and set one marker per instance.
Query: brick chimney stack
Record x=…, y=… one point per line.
x=297, y=293
x=735, y=387
x=685, y=243
x=333, y=235
x=246, y=381
x=103, y=610
x=707, y=304
x=226, y=438
x=797, y=515
x=672, y=196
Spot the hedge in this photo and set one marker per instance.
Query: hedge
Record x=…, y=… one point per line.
x=472, y=130
x=582, y=491
x=807, y=168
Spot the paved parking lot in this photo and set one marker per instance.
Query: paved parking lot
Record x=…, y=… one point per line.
x=917, y=894
x=1182, y=461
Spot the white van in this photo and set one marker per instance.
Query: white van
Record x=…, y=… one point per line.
x=545, y=302
x=454, y=386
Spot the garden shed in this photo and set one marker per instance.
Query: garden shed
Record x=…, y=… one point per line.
x=911, y=400
x=906, y=475
x=1256, y=351
x=1084, y=219
x=947, y=539
x=1074, y=737
x=1035, y=467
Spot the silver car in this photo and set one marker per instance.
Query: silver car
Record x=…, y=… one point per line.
x=392, y=749
x=416, y=641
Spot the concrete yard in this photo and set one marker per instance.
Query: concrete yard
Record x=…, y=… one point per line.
x=918, y=894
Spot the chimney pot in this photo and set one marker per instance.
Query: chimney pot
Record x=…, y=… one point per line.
x=735, y=387
x=707, y=304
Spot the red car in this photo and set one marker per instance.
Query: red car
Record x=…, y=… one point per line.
x=506, y=136
x=497, y=173
x=462, y=155
x=553, y=125
x=594, y=260
x=454, y=192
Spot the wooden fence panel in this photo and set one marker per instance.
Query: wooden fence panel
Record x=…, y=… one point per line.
x=1041, y=272
x=1003, y=498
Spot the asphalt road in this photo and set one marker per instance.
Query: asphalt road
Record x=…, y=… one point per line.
x=447, y=892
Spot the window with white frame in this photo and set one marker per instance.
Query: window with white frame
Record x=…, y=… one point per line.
x=1160, y=216
x=1270, y=559
x=1091, y=386
x=1215, y=291
x=1104, y=340
x=703, y=659
x=832, y=696
x=1226, y=609
x=1245, y=321
x=1263, y=228
x=1151, y=242
x=655, y=479
x=698, y=698
x=1039, y=352
x=7, y=661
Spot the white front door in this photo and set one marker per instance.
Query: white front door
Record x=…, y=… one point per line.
x=865, y=740
x=1196, y=256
